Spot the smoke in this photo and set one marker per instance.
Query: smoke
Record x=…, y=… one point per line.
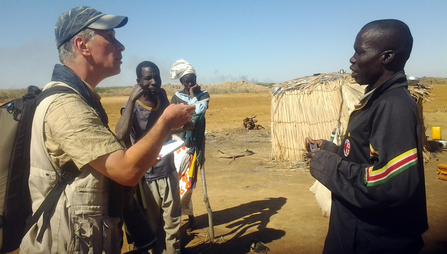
x=28, y=64
x=217, y=78
x=32, y=64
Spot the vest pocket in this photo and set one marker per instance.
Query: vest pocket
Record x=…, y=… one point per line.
x=85, y=199
x=85, y=229
x=94, y=234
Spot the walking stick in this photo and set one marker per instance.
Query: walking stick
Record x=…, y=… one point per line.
x=207, y=203
x=201, y=158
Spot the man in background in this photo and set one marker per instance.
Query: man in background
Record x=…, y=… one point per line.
x=160, y=190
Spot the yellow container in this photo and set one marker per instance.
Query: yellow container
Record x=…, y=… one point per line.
x=442, y=171
x=435, y=132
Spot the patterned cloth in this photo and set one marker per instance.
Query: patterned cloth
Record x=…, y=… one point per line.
x=187, y=171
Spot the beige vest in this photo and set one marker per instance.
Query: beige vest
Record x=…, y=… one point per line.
x=80, y=223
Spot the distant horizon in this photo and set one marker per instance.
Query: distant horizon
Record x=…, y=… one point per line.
x=101, y=85
x=444, y=81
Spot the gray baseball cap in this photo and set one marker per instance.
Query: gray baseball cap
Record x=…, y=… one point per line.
x=75, y=20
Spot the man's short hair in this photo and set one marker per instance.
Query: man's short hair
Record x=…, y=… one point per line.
x=143, y=64
x=67, y=50
x=392, y=34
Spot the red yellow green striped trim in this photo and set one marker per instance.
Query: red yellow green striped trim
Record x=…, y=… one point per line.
x=372, y=152
x=393, y=167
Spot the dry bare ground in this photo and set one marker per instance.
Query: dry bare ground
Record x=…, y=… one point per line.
x=255, y=197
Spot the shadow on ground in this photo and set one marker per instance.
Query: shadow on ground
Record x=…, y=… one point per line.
x=242, y=224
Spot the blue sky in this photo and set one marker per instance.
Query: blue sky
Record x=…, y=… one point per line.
x=232, y=40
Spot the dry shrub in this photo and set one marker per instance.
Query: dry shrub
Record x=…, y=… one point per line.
x=433, y=81
x=10, y=94
x=438, y=99
x=235, y=87
x=225, y=88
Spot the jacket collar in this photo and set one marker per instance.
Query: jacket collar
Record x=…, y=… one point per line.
x=397, y=80
x=62, y=73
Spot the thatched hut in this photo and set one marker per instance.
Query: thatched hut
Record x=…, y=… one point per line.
x=314, y=106
x=310, y=107
x=421, y=93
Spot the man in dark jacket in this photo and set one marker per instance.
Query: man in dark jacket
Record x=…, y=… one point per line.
x=377, y=175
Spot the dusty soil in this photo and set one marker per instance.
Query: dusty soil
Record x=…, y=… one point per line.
x=255, y=197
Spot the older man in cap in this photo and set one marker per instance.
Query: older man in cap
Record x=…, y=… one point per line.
x=71, y=128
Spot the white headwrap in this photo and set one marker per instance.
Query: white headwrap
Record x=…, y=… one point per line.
x=180, y=68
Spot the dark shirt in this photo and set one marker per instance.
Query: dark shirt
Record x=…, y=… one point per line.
x=377, y=175
x=143, y=120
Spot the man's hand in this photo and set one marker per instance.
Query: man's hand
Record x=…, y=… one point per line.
x=311, y=152
x=177, y=115
x=136, y=92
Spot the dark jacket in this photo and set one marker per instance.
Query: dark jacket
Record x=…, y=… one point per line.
x=377, y=175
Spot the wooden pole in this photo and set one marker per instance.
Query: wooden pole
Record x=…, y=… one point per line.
x=207, y=203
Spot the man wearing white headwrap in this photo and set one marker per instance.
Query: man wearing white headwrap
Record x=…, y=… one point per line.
x=194, y=139
x=180, y=68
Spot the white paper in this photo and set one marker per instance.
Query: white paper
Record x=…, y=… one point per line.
x=170, y=147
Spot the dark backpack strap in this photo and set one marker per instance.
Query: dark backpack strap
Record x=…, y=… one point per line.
x=54, y=90
x=48, y=206
x=30, y=109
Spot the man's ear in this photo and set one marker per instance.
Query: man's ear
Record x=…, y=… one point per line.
x=138, y=81
x=387, y=56
x=81, y=45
